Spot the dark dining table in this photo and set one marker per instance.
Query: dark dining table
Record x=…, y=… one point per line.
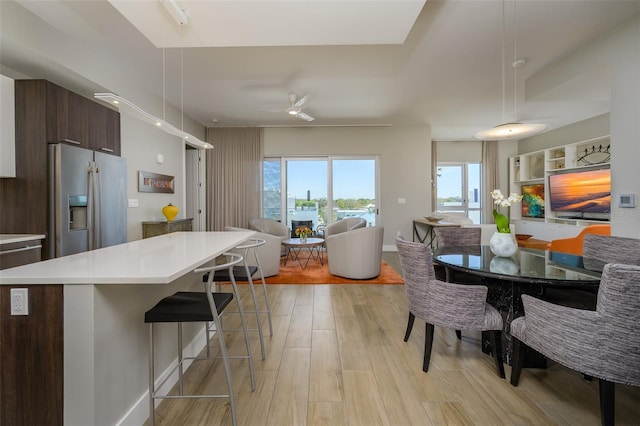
x=529, y=271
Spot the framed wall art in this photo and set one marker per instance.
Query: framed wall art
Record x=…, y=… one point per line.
x=154, y=182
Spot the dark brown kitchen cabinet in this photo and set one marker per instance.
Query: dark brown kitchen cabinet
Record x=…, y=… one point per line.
x=67, y=116
x=47, y=113
x=104, y=129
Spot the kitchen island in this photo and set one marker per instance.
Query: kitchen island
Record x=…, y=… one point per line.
x=81, y=355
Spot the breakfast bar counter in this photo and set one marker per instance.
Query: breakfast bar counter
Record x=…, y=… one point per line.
x=80, y=356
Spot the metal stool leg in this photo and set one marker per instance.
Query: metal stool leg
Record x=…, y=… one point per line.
x=266, y=296
x=255, y=307
x=244, y=328
x=152, y=391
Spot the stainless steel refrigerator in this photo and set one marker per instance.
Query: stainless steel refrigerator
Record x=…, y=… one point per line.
x=87, y=200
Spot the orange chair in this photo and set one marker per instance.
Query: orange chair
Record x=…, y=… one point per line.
x=574, y=245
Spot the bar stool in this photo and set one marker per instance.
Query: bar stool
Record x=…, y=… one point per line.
x=197, y=307
x=245, y=274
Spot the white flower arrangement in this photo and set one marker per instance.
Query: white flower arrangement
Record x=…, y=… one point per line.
x=502, y=221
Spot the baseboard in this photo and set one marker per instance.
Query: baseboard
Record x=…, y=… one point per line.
x=139, y=412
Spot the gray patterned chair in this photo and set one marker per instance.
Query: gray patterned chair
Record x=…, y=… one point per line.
x=597, y=250
x=457, y=306
x=604, y=343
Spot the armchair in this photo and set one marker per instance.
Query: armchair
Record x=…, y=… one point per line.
x=269, y=254
x=355, y=254
x=270, y=226
x=602, y=343
x=457, y=306
x=344, y=225
x=574, y=245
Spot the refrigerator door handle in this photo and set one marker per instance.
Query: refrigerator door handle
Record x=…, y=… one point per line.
x=97, y=195
x=90, y=206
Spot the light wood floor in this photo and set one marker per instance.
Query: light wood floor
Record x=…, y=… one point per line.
x=337, y=357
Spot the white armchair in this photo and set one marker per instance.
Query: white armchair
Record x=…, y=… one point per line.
x=270, y=226
x=355, y=254
x=269, y=254
x=273, y=227
x=344, y=225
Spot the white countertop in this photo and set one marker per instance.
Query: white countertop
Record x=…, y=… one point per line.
x=19, y=238
x=156, y=260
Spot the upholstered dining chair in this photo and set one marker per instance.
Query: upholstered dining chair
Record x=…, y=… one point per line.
x=597, y=250
x=604, y=343
x=457, y=306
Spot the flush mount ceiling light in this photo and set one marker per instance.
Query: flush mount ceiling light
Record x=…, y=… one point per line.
x=135, y=111
x=176, y=12
x=515, y=129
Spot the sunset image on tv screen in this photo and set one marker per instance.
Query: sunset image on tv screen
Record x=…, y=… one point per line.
x=587, y=191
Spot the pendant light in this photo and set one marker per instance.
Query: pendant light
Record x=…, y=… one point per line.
x=130, y=108
x=515, y=129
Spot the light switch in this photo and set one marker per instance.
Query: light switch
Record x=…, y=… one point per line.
x=402, y=200
x=132, y=202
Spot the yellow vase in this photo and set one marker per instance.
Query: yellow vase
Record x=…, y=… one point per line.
x=170, y=212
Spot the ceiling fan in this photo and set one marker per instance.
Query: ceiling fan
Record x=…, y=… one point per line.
x=296, y=106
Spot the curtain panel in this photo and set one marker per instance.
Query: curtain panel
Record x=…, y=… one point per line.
x=234, y=176
x=490, y=178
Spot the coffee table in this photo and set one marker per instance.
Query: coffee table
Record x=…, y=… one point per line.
x=294, y=246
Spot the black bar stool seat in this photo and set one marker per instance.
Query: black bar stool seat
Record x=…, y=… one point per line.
x=187, y=306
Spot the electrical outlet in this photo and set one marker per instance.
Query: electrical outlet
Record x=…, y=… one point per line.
x=19, y=301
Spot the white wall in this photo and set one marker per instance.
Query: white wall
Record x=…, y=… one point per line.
x=405, y=164
x=141, y=143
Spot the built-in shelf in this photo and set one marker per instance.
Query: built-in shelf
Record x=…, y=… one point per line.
x=536, y=167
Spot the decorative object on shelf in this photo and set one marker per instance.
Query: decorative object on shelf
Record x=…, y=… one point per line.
x=523, y=237
x=303, y=233
x=502, y=242
x=170, y=212
x=592, y=156
x=515, y=129
x=154, y=182
x=536, y=167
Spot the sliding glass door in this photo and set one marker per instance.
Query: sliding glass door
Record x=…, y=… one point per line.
x=320, y=189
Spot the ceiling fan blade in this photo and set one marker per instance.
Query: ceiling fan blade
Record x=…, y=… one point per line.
x=304, y=116
x=301, y=101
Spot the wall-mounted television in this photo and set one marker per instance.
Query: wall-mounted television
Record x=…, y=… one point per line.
x=583, y=192
x=533, y=200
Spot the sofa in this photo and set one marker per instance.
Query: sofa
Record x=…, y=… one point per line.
x=269, y=254
x=344, y=225
x=355, y=254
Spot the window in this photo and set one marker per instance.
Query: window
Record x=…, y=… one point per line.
x=321, y=189
x=458, y=189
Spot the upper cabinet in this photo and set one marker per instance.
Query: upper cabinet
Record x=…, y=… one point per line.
x=104, y=129
x=7, y=128
x=67, y=116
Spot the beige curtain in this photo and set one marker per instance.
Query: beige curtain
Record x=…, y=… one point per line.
x=434, y=175
x=490, y=178
x=234, y=176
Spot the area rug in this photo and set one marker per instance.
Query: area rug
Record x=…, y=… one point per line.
x=315, y=273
